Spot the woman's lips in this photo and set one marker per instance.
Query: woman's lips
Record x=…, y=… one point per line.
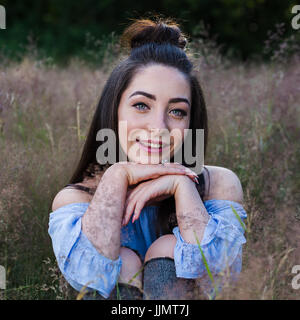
x=146, y=145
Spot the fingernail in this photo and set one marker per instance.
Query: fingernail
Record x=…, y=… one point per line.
x=196, y=180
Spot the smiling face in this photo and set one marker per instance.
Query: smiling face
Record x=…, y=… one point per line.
x=153, y=112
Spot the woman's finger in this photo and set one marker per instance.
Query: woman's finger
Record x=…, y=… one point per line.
x=138, y=172
x=178, y=165
x=140, y=202
x=129, y=204
x=138, y=208
x=133, y=192
x=128, y=212
x=190, y=173
x=174, y=170
x=139, y=198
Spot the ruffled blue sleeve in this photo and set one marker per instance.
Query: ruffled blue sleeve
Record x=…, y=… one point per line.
x=221, y=244
x=79, y=261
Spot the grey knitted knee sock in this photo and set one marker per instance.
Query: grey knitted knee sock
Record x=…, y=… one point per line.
x=126, y=292
x=161, y=283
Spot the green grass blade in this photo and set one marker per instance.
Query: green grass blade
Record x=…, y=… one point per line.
x=239, y=218
x=206, y=264
x=135, y=275
x=118, y=292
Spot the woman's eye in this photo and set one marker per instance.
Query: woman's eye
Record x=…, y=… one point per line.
x=137, y=105
x=179, y=113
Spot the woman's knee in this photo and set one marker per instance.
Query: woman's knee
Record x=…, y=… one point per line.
x=162, y=247
x=131, y=264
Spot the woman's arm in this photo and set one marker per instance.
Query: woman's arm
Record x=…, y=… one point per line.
x=85, y=233
x=218, y=227
x=190, y=210
x=101, y=222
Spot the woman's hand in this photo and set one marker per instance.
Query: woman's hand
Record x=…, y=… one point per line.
x=141, y=196
x=136, y=172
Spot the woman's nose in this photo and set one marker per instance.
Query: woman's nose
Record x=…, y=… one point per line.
x=158, y=123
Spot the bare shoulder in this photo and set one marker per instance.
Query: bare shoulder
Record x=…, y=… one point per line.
x=70, y=195
x=223, y=184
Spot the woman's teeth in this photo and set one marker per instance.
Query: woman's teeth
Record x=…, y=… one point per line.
x=152, y=145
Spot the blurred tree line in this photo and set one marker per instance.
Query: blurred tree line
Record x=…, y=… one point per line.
x=64, y=28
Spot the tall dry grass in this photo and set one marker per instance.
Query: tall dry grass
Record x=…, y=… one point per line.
x=253, y=113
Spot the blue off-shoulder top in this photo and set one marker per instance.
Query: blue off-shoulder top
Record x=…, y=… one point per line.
x=82, y=265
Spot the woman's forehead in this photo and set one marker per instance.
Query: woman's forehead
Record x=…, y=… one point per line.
x=160, y=81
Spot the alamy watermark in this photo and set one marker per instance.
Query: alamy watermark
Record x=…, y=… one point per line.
x=107, y=151
x=2, y=17
x=296, y=278
x=296, y=19
x=2, y=277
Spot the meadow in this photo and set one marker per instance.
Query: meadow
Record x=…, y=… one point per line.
x=253, y=113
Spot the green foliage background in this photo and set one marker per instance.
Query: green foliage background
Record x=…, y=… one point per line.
x=61, y=29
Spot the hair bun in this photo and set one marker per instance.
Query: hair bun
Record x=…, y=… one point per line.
x=143, y=31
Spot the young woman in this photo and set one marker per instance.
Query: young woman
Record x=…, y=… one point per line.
x=137, y=223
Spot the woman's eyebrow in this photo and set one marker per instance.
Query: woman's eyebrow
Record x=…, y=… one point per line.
x=151, y=96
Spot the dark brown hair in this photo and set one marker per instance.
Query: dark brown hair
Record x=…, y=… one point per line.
x=149, y=42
